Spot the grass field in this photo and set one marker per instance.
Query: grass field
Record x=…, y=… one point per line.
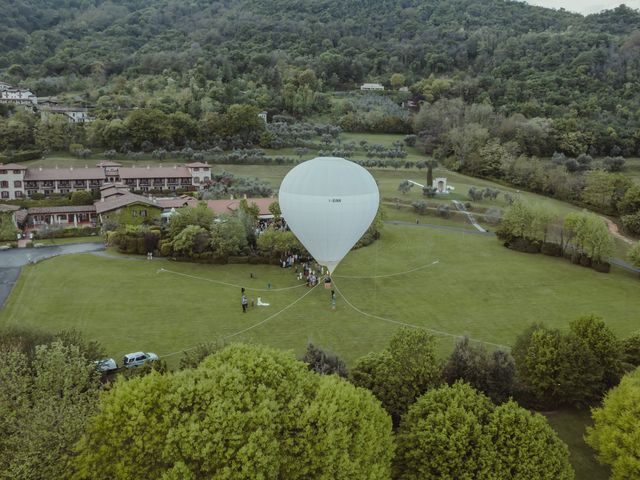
x=478, y=288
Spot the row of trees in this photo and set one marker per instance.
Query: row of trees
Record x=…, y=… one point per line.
x=581, y=236
x=416, y=417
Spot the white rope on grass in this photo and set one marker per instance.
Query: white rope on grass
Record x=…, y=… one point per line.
x=195, y=277
x=244, y=330
x=410, y=325
x=390, y=274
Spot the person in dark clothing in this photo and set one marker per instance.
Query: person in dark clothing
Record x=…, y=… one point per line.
x=245, y=302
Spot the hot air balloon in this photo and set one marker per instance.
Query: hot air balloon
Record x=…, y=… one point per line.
x=328, y=203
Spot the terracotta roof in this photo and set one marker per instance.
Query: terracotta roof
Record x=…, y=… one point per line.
x=115, y=202
x=62, y=209
x=64, y=174
x=9, y=208
x=12, y=166
x=177, y=202
x=196, y=164
x=154, y=172
x=230, y=206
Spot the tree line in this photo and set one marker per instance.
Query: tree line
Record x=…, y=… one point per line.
x=201, y=58
x=235, y=410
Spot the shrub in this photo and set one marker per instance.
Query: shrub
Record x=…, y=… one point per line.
x=551, y=249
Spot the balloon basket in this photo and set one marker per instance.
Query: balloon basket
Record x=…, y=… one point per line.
x=327, y=285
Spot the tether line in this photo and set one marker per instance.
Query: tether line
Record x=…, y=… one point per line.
x=195, y=277
x=244, y=330
x=411, y=325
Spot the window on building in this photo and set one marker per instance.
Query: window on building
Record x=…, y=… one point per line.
x=143, y=213
x=17, y=172
x=134, y=213
x=18, y=194
x=3, y=172
x=17, y=184
x=5, y=194
x=4, y=184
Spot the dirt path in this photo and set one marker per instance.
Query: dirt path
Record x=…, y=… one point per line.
x=615, y=231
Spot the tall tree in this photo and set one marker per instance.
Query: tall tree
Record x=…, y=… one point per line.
x=616, y=428
x=245, y=411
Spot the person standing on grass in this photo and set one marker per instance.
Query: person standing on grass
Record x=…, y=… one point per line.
x=245, y=302
x=333, y=299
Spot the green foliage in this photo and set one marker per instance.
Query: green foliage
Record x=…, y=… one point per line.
x=523, y=220
x=228, y=236
x=631, y=223
x=605, y=190
x=600, y=340
x=526, y=446
x=456, y=432
x=274, y=209
x=191, y=241
x=588, y=233
x=441, y=436
x=200, y=215
x=616, y=431
x=274, y=243
x=81, y=197
x=193, y=357
x=44, y=405
x=244, y=412
x=402, y=372
x=8, y=229
x=631, y=350
x=324, y=363
x=573, y=368
x=634, y=254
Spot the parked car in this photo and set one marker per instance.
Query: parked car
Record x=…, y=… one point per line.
x=138, y=358
x=106, y=365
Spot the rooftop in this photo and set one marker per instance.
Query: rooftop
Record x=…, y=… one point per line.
x=230, y=206
x=119, y=201
x=62, y=209
x=154, y=172
x=86, y=173
x=8, y=208
x=12, y=166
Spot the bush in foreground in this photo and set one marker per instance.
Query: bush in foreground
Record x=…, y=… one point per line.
x=245, y=412
x=456, y=432
x=616, y=431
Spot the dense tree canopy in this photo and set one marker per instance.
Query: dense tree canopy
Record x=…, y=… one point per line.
x=243, y=412
x=616, y=431
x=454, y=432
x=553, y=69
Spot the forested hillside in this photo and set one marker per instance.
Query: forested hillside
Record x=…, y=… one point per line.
x=286, y=56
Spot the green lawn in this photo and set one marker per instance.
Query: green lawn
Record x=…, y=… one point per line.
x=571, y=427
x=478, y=288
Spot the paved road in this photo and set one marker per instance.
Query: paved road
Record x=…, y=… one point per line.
x=12, y=261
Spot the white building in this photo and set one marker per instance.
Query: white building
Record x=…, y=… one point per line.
x=73, y=114
x=263, y=116
x=371, y=86
x=12, y=181
x=18, y=96
x=200, y=173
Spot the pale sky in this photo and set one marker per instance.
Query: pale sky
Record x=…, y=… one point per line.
x=585, y=6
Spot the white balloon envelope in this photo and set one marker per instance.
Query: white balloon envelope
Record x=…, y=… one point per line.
x=328, y=203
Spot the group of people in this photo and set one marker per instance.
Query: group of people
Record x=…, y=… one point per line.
x=305, y=269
